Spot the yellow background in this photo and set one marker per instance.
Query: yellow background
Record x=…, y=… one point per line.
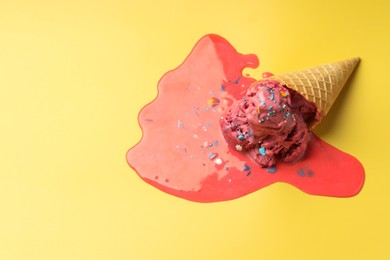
x=73, y=76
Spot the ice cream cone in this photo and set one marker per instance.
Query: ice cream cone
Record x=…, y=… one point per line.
x=321, y=84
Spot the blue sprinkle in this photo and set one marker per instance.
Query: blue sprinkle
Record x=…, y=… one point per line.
x=241, y=137
x=222, y=88
x=270, y=108
x=212, y=156
x=247, y=167
x=250, y=133
x=271, y=169
x=301, y=173
x=180, y=124
x=262, y=151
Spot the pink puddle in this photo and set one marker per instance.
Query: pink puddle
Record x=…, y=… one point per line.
x=182, y=151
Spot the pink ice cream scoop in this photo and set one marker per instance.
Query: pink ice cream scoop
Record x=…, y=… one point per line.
x=270, y=123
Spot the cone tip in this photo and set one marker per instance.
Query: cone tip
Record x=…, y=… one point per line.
x=355, y=59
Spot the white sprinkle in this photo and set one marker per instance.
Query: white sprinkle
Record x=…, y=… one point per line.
x=218, y=161
x=238, y=147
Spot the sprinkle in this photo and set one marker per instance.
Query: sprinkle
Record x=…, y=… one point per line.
x=241, y=137
x=218, y=161
x=214, y=102
x=270, y=108
x=249, y=173
x=272, y=113
x=271, y=169
x=258, y=110
x=238, y=147
x=180, y=124
x=283, y=94
x=207, y=144
x=262, y=120
x=212, y=156
x=301, y=173
x=250, y=133
x=272, y=95
x=196, y=109
x=262, y=151
x=222, y=88
x=247, y=167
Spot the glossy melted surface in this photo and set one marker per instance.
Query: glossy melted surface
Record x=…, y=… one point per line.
x=183, y=151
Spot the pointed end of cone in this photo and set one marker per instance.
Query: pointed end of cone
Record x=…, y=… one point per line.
x=354, y=61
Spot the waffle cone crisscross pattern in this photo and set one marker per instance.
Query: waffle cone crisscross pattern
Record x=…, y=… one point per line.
x=320, y=84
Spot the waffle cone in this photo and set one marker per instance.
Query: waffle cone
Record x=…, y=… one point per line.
x=321, y=84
